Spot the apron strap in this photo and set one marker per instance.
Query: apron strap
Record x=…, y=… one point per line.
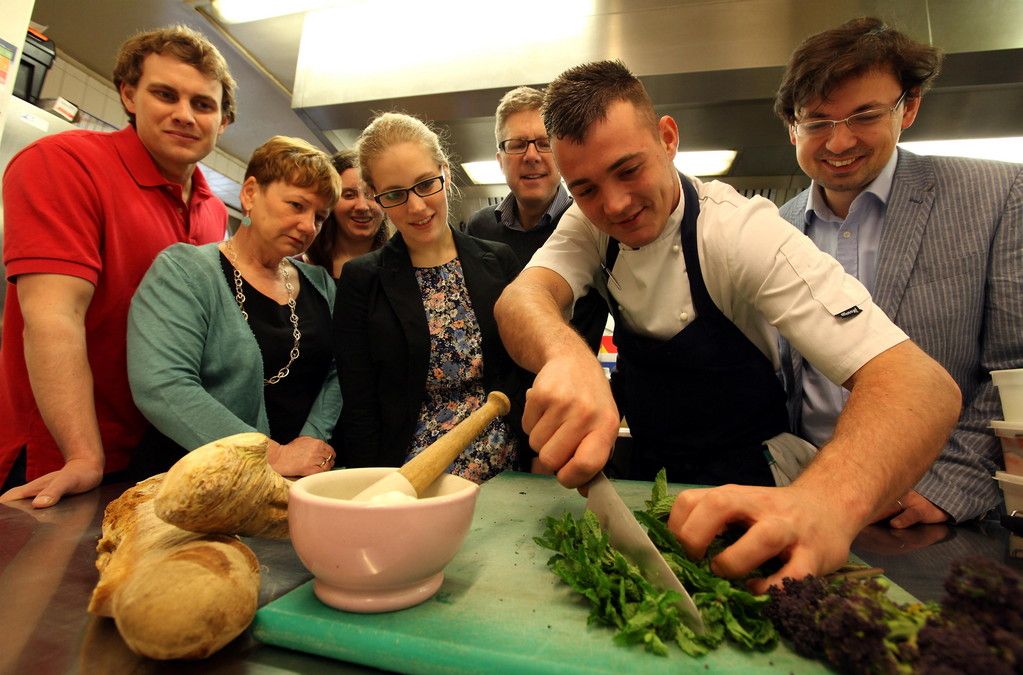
x=702, y=301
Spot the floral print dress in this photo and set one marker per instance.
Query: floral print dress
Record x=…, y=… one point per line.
x=454, y=383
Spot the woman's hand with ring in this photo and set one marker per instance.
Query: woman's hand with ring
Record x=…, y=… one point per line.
x=301, y=457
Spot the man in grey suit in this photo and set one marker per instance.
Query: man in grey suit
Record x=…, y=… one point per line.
x=938, y=241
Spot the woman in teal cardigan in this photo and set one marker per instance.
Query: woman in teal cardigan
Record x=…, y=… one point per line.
x=236, y=336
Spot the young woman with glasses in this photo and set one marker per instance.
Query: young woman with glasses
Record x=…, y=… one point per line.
x=415, y=336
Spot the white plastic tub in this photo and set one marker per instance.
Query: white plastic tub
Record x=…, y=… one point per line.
x=1011, y=436
x=1010, y=391
x=1012, y=490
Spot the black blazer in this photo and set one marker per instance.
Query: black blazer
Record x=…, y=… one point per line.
x=382, y=345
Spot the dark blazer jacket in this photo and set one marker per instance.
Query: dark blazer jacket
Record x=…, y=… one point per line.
x=950, y=274
x=589, y=315
x=382, y=347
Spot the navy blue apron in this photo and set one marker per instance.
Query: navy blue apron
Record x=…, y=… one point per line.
x=702, y=403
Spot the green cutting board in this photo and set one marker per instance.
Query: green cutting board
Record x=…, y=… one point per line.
x=499, y=610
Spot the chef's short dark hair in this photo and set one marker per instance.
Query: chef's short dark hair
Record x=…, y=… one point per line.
x=582, y=95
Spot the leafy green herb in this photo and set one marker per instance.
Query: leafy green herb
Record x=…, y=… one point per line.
x=621, y=598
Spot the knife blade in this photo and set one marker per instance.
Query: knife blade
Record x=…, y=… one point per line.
x=628, y=536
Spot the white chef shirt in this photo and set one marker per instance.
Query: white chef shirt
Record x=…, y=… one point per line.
x=762, y=273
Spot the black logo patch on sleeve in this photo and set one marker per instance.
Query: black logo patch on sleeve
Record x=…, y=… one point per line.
x=852, y=311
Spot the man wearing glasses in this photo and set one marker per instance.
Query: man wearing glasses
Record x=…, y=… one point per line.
x=531, y=211
x=938, y=241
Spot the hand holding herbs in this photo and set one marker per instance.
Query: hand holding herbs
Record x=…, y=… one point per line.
x=849, y=623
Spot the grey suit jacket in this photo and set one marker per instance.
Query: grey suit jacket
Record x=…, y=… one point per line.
x=950, y=274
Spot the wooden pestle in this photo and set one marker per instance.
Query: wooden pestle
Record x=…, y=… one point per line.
x=422, y=470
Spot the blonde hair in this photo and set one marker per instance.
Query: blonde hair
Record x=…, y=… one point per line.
x=183, y=43
x=519, y=99
x=297, y=162
x=392, y=128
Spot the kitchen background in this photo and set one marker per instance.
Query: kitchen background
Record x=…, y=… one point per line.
x=712, y=64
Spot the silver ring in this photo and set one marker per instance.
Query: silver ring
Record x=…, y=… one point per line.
x=322, y=463
x=899, y=502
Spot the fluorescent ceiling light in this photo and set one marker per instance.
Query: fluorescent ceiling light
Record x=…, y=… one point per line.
x=696, y=163
x=704, y=162
x=410, y=48
x=243, y=11
x=1008, y=149
x=484, y=173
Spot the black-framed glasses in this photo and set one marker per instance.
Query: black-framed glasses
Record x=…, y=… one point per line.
x=398, y=196
x=518, y=146
x=860, y=121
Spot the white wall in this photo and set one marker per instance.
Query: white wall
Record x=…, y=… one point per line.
x=13, y=27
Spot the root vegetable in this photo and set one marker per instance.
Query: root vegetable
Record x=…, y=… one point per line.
x=172, y=593
x=227, y=487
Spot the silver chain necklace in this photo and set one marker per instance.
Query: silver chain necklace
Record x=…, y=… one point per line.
x=239, y=296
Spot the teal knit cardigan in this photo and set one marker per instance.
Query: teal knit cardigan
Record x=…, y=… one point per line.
x=194, y=366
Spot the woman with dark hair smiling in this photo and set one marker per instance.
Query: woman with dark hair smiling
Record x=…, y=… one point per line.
x=355, y=227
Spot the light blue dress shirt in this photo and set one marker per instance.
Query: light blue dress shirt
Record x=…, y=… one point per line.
x=854, y=242
x=508, y=215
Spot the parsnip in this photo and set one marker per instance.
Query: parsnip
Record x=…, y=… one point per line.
x=173, y=594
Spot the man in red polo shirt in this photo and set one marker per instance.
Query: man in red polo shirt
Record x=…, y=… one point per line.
x=85, y=215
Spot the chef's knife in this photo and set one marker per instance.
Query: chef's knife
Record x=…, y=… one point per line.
x=628, y=536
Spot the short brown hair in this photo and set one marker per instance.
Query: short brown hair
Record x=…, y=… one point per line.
x=296, y=162
x=181, y=42
x=826, y=59
x=581, y=96
x=344, y=160
x=519, y=99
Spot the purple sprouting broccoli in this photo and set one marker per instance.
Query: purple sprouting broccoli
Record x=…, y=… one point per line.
x=793, y=611
x=989, y=594
x=960, y=648
x=986, y=590
x=857, y=628
x=850, y=624
x=853, y=634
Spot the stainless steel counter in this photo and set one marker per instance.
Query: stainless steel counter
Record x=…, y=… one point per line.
x=47, y=572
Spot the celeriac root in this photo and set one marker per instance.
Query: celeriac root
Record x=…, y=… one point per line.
x=227, y=487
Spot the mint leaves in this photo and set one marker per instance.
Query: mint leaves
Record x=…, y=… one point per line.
x=622, y=599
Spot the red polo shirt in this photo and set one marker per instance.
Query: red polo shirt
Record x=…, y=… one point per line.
x=90, y=205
